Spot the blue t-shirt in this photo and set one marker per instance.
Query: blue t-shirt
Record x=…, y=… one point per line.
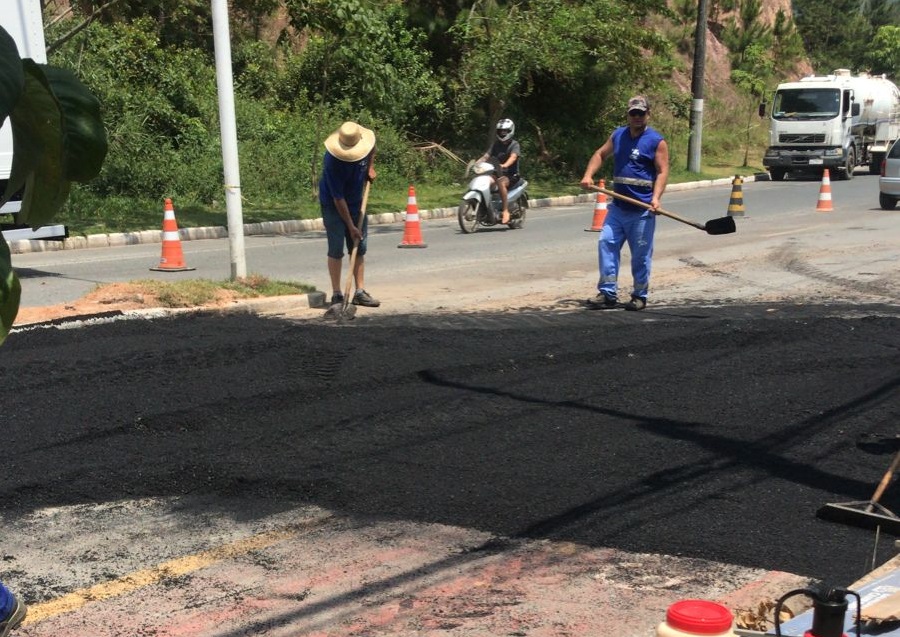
x=633, y=157
x=343, y=180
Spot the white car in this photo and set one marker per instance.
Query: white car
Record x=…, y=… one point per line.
x=889, y=182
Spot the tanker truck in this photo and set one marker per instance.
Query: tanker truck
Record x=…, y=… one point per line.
x=838, y=121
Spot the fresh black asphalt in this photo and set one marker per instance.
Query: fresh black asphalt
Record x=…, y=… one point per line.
x=693, y=431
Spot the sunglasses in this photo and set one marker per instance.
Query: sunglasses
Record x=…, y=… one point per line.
x=637, y=113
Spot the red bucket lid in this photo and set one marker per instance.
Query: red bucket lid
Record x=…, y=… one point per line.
x=699, y=616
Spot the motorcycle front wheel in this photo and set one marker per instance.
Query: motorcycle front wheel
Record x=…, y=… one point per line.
x=468, y=216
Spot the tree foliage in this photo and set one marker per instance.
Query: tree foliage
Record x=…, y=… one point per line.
x=883, y=55
x=552, y=63
x=838, y=34
x=435, y=70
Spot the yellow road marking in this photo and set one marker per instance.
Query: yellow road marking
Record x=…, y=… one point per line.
x=138, y=579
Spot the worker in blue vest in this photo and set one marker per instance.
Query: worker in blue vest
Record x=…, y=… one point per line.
x=12, y=611
x=640, y=171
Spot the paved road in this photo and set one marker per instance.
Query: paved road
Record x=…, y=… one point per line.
x=552, y=254
x=533, y=469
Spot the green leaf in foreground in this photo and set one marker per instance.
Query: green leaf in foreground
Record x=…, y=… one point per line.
x=12, y=79
x=37, y=127
x=84, y=138
x=10, y=292
x=58, y=138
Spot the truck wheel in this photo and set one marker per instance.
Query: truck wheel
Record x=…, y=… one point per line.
x=777, y=174
x=887, y=202
x=849, y=165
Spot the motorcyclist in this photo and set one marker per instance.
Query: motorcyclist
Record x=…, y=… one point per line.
x=504, y=153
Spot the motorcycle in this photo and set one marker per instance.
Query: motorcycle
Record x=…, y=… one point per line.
x=481, y=205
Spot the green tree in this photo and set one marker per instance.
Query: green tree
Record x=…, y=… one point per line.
x=753, y=76
x=685, y=18
x=881, y=12
x=719, y=7
x=787, y=47
x=556, y=65
x=883, y=55
x=746, y=30
x=839, y=34
x=161, y=110
x=58, y=138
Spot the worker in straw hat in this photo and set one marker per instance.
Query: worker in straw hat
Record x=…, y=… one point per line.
x=349, y=163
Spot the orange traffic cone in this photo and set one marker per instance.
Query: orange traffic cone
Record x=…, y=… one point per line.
x=824, y=203
x=599, y=210
x=412, y=232
x=172, y=259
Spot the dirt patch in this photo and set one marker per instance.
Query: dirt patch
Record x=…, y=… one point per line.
x=107, y=298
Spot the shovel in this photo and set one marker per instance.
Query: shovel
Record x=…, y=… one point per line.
x=722, y=225
x=342, y=311
x=866, y=514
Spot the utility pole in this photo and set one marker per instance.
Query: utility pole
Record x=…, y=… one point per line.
x=697, y=90
x=228, y=131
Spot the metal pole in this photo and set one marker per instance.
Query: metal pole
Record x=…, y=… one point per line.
x=696, y=136
x=228, y=129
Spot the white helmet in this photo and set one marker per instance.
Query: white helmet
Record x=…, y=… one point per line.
x=505, y=130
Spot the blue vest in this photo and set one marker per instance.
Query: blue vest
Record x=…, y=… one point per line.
x=633, y=157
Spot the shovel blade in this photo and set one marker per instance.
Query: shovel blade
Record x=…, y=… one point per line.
x=334, y=311
x=722, y=225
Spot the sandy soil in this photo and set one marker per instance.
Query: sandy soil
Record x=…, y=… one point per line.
x=114, y=296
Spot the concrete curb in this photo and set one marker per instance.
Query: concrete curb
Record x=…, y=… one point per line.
x=293, y=226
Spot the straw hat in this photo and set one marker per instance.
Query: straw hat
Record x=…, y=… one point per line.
x=351, y=142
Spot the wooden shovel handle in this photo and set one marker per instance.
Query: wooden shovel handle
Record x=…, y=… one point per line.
x=886, y=479
x=359, y=225
x=643, y=204
x=362, y=208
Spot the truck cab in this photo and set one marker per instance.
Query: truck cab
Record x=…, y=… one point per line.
x=811, y=127
x=838, y=121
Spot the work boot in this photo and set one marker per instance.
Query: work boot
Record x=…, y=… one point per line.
x=603, y=302
x=636, y=304
x=12, y=621
x=365, y=299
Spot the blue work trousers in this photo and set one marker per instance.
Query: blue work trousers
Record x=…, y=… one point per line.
x=637, y=228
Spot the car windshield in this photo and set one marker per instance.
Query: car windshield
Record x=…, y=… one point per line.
x=811, y=103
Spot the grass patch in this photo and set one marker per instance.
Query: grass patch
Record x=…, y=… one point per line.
x=199, y=292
